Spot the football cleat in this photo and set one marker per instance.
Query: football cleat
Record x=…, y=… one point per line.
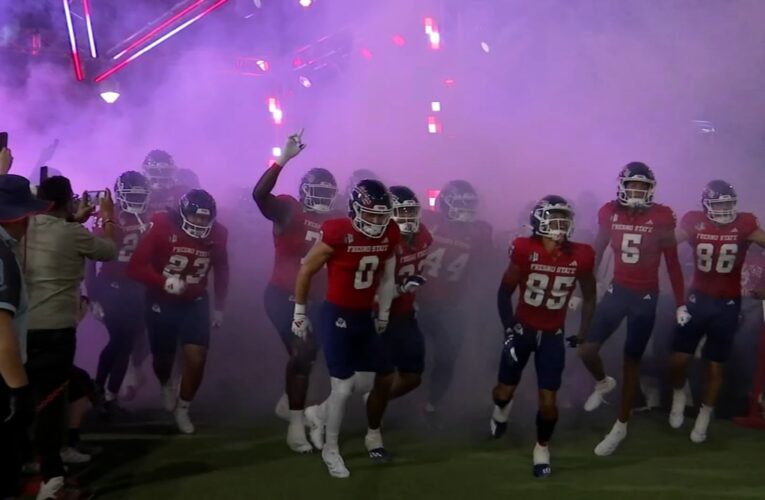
x=542, y=461
x=183, y=421
x=335, y=464
x=315, y=426
x=601, y=389
x=611, y=442
x=380, y=456
x=677, y=413
x=497, y=429
x=296, y=439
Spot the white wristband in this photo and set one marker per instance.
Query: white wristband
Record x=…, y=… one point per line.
x=300, y=309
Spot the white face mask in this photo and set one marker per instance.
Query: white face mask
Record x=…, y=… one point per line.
x=372, y=222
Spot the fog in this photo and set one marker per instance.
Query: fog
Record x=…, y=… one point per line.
x=568, y=93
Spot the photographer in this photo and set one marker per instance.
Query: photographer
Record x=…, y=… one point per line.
x=16, y=410
x=55, y=250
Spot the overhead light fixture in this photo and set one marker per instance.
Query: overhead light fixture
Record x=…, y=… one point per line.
x=109, y=91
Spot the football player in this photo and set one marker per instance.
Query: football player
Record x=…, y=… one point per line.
x=460, y=242
x=547, y=267
x=404, y=344
x=356, y=177
x=160, y=169
x=638, y=231
x=720, y=237
x=359, y=252
x=186, y=179
x=296, y=226
x=118, y=300
x=173, y=260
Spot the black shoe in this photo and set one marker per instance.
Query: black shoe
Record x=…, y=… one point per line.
x=542, y=470
x=498, y=429
x=380, y=455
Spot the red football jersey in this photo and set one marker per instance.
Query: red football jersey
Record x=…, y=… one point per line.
x=719, y=252
x=409, y=261
x=635, y=238
x=548, y=280
x=166, y=250
x=456, y=246
x=127, y=230
x=293, y=242
x=356, y=266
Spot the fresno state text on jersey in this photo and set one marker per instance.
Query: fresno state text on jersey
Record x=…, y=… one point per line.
x=166, y=250
x=636, y=238
x=355, y=267
x=719, y=252
x=409, y=261
x=293, y=242
x=455, y=246
x=127, y=234
x=548, y=279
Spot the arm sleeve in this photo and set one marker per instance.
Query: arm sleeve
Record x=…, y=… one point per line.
x=669, y=248
x=387, y=288
x=10, y=282
x=221, y=271
x=140, y=266
x=91, y=246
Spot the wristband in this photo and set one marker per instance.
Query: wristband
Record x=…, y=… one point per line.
x=300, y=309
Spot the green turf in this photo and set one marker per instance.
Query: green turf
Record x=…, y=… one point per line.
x=655, y=462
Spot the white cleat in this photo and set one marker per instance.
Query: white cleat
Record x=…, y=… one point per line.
x=335, y=464
x=677, y=413
x=183, y=421
x=699, y=432
x=296, y=439
x=50, y=489
x=70, y=456
x=169, y=396
x=611, y=442
x=282, y=409
x=601, y=389
x=315, y=426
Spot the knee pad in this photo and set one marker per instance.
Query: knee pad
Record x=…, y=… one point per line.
x=363, y=382
x=342, y=387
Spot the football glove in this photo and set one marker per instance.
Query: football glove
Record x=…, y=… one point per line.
x=301, y=325
x=683, y=316
x=217, y=321
x=21, y=407
x=174, y=285
x=509, y=345
x=292, y=148
x=411, y=284
x=381, y=325
x=573, y=341
x=97, y=310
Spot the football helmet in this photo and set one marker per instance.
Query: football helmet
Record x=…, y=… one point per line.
x=629, y=193
x=187, y=178
x=458, y=201
x=318, y=190
x=358, y=176
x=406, y=209
x=552, y=218
x=159, y=167
x=132, y=192
x=197, y=209
x=719, y=202
x=370, y=208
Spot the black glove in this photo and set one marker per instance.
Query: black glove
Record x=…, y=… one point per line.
x=573, y=341
x=509, y=346
x=22, y=408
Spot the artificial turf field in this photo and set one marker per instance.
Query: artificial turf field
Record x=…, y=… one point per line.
x=225, y=462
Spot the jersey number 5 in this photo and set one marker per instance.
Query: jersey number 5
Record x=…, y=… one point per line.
x=179, y=263
x=536, y=291
x=631, y=248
